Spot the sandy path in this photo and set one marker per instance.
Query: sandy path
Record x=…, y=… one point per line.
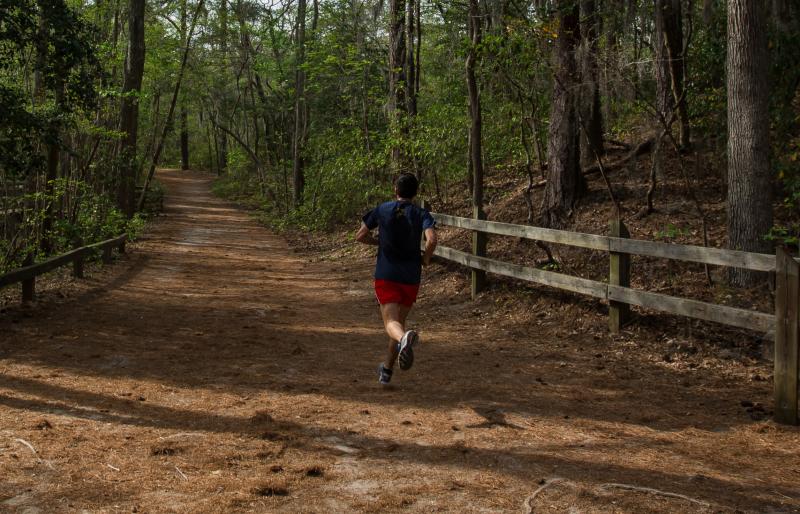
x=219, y=371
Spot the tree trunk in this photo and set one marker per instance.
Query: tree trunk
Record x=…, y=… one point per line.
x=184, y=138
x=592, y=114
x=222, y=151
x=664, y=100
x=208, y=141
x=129, y=110
x=216, y=142
x=749, y=181
x=673, y=42
x=479, y=239
x=565, y=183
x=613, y=29
x=475, y=130
x=222, y=137
x=411, y=80
x=53, y=152
x=299, y=106
x=397, y=79
x=410, y=61
x=418, y=65
x=184, y=114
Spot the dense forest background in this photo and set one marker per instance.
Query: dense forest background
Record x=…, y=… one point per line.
x=309, y=110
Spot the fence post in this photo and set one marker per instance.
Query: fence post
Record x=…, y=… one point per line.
x=77, y=264
x=619, y=274
x=28, y=285
x=423, y=204
x=107, y=254
x=479, y=250
x=787, y=274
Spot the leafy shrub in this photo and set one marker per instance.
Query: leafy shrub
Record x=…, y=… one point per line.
x=344, y=179
x=83, y=216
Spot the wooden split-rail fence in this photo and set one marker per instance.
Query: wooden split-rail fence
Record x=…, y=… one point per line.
x=28, y=273
x=621, y=296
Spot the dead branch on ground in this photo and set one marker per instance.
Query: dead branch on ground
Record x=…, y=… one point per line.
x=653, y=491
x=548, y=483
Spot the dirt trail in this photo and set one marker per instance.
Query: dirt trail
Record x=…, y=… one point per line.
x=217, y=370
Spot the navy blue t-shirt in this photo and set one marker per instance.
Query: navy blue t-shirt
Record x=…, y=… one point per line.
x=400, y=225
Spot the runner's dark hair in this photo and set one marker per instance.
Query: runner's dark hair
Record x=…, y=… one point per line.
x=407, y=185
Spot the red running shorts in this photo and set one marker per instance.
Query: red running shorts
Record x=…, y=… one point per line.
x=389, y=291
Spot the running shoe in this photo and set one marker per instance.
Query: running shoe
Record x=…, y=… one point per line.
x=406, y=356
x=384, y=374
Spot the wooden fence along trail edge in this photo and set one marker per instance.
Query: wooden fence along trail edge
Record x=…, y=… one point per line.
x=620, y=296
x=27, y=275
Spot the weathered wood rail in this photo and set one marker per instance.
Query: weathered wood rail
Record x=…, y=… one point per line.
x=621, y=296
x=27, y=274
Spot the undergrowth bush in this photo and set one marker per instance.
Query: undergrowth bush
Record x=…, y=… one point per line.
x=83, y=216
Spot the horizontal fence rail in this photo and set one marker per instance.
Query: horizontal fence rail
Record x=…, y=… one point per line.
x=732, y=316
x=621, y=296
x=701, y=254
x=27, y=274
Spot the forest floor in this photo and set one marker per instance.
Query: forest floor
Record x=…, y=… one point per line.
x=217, y=368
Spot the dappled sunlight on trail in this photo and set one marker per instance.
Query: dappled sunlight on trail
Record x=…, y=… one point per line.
x=217, y=365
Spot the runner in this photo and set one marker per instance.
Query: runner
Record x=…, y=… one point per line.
x=398, y=270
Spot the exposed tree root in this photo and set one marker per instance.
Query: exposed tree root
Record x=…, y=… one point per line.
x=653, y=491
x=35, y=453
x=181, y=434
x=548, y=482
x=528, y=508
x=30, y=447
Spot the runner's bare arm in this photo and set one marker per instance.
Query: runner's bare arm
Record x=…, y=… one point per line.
x=431, y=241
x=364, y=235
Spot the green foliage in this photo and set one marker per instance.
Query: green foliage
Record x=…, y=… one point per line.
x=20, y=129
x=92, y=218
x=785, y=235
x=627, y=116
x=440, y=144
x=785, y=111
x=788, y=168
x=707, y=95
x=238, y=162
x=671, y=232
x=343, y=181
x=226, y=187
x=50, y=98
x=551, y=266
x=153, y=200
x=239, y=183
x=66, y=65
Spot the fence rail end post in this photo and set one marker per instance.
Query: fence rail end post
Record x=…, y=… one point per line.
x=28, y=285
x=619, y=274
x=77, y=264
x=479, y=250
x=106, y=254
x=787, y=287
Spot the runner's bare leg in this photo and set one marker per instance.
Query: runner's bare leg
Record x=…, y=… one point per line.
x=394, y=321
